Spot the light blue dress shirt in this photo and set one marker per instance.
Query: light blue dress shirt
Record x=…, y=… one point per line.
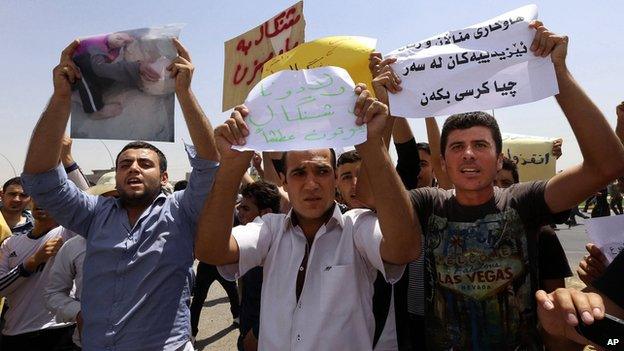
x=137, y=280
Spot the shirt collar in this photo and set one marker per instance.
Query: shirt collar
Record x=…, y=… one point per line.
x=336, y=218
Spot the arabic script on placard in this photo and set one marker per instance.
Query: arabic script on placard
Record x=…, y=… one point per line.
x=306, y=109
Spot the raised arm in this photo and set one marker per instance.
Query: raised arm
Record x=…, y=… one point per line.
x=198, y=125
x=603, y=153
x=384, y=81
x=214, y=243
x=45, y=143
x=619, y=127
x=433, y=135
x=399, y=226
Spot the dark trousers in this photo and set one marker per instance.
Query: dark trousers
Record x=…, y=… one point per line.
x=57, y=339
x=206, y=275
x=616, y=205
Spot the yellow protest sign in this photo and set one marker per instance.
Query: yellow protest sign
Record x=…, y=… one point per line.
x=348, y=52
x=5, y=231
x=247, y=53
x=532, y=155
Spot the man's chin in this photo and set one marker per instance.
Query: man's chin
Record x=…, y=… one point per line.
x=135, y=198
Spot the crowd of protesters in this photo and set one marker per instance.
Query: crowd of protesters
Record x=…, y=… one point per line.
x=444, y=250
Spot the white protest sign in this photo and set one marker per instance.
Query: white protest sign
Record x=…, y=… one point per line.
x=301, y=110
x=607, y=233
x=484, y=66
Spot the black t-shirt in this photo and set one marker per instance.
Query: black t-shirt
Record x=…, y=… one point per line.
x=553, y=263
x=612, y=281
x=481, y=267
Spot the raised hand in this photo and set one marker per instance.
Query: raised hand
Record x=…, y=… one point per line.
x=233, y=132
x=547, y=43
x=370, y=111
x=181, y=67
x=66, y=72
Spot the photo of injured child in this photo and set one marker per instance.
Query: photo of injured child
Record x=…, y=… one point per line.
x=125, y=91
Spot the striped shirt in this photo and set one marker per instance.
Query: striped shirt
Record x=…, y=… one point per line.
x=24, y=292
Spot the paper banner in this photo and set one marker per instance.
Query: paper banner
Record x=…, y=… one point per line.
x=484, y=66
x=532, y=155
x=245, y=54
x=607, y=233
x=302, y=110
x=348, y=52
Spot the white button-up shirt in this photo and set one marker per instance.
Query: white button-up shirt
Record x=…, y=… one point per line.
x=334, y=311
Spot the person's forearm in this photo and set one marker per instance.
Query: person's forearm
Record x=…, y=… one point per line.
x=199, y=126
x=270, y=173
x=31, y=263
x=214, y=243
x=399, y=227
x=363, y=192
x=45, y=144
x=588, y=123
x=401, y=132
x=247, y=179
x=619, y=129
x=433, y=136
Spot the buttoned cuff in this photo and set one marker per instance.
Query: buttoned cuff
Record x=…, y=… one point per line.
x=44, y=182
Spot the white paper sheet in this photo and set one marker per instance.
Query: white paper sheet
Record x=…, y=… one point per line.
x=301, y=110
x=607, y=233
x=484, y=66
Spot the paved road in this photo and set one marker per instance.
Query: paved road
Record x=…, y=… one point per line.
x=217, y=333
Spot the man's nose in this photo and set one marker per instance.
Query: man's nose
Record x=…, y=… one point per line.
x=311, y=183
x=468, y=153
x=134, y=166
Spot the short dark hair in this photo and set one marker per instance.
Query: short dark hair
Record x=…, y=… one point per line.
x=348, y=157
x=12, y=181
x=263, y=194
x=162, y=160
x=285, y=166
x=511, y=166
x=424, y=147
x=469, y=120
x=180, y=185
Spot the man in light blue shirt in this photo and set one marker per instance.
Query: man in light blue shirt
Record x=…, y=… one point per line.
x=138, y=263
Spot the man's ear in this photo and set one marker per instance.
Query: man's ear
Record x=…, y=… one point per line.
x=443, y=163
x=282, y=178
x=499, y=162
x=164, y=178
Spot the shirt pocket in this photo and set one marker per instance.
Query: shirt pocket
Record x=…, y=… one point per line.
x=339, y=295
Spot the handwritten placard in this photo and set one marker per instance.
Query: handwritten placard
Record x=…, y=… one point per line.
x=301, y=110
x=607, y=233
x=246, y=54
x=484, y=66
x=532, y=155
x=348, y=52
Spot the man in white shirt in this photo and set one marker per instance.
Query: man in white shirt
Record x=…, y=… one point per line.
x=319, y=265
